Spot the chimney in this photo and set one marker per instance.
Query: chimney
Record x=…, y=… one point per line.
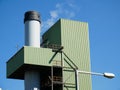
x=32, y=28
x=32, y=38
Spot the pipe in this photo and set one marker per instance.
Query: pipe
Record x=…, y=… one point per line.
x=32, y=38
x=32, y=80
x=32, y=29
x=77, y=79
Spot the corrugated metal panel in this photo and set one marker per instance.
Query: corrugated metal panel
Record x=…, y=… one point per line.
x=15, y=62
x=29, y=56
x=53, y=35
x=73, y=35
x=39, y=56
x=75, y=40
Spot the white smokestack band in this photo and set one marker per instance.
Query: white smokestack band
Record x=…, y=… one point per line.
x=32, y=29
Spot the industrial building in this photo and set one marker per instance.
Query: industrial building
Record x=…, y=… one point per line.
x=51, y=65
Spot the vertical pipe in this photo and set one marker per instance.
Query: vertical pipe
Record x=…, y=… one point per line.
x=77, y=79
x=32, y=38
x=32, y=29
x=32, y=80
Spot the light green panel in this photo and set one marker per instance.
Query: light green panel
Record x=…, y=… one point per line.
x=75, y=39
x=69, y=80
x=37, y=56
x=29, y=56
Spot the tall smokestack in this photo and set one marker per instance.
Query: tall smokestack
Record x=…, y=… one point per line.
x=32, y=29
x=32, y=38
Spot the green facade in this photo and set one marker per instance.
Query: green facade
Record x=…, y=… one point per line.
x=74, y=37
x=28, y=58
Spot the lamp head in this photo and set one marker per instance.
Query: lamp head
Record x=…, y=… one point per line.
x=109, y=75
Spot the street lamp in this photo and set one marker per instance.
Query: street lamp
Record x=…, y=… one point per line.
x=107, y=75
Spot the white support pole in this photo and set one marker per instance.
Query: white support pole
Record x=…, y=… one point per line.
x=107, y=75
x=93, y=73
x=77, y=79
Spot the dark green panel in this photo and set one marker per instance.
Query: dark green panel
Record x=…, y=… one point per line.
x=52, y=36
x=15, y=62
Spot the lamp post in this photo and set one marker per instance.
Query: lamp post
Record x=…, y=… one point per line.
x=107, y=75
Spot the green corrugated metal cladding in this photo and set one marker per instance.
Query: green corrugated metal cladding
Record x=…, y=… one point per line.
x=74, y=37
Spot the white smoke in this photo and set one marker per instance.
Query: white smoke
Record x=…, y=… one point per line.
x=62, y=10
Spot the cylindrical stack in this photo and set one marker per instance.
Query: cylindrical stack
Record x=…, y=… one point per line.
x=32, y=38
x=32, y=29
x=32, y=80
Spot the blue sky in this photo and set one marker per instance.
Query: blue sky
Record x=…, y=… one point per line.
x=103, y=17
